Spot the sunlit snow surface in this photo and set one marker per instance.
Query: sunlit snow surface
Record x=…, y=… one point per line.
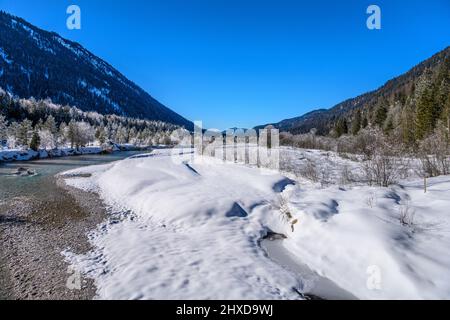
x=191, y=230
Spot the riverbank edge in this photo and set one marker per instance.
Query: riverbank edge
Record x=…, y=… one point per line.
x=30, y=155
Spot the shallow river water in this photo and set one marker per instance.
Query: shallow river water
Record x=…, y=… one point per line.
x=42, y=184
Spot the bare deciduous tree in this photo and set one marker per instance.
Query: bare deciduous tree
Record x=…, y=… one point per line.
x=386, y=163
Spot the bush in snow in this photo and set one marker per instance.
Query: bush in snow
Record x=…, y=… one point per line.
x=407, y=215
x=308, y=141
x=285, y=212
x=385, y=163
x=434, y=154
x=310, y=171
x=346, y=176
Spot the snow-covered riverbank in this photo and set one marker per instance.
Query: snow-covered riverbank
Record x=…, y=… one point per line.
x=27, y=155
x=192, y=230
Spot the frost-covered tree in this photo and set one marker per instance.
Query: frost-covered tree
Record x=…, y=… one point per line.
x=85, y=134
x=121, y=135
x=100, y=135
x=35, y=141
x=68, y=125
x=47, y=139
x=50, y=125
x=24, y=133
x=3, y=129
x=132, y=135
x=71, y=133
x=181, y=137
x=48, y=133
x=13, y=130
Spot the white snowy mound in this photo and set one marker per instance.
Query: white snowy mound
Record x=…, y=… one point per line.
x=195, y=231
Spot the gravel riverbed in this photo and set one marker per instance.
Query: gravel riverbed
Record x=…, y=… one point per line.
x=33, y=233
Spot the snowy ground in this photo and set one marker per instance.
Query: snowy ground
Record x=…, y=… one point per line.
x=325, y=168
x=192, y=230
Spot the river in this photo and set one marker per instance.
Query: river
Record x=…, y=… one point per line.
x=42, y=183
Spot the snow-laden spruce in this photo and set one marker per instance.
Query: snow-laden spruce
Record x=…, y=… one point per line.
x=195, y=230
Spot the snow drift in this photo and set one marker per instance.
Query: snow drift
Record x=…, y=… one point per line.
x=192, y=230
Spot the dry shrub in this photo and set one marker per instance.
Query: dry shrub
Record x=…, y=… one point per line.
x=310, y=171
x=407, y=215
x=434, y=155
x=346, y=175
x=385, y=163
x=285, y=213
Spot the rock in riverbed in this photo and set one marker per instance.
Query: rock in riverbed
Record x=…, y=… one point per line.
x=24, y=172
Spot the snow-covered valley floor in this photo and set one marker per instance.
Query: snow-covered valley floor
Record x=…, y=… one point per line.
x=193, y=230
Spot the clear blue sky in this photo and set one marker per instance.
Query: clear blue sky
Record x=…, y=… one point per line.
x=246, y=62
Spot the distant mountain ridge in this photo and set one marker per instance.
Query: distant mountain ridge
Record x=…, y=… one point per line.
x=42, y=64
x=397, y=90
